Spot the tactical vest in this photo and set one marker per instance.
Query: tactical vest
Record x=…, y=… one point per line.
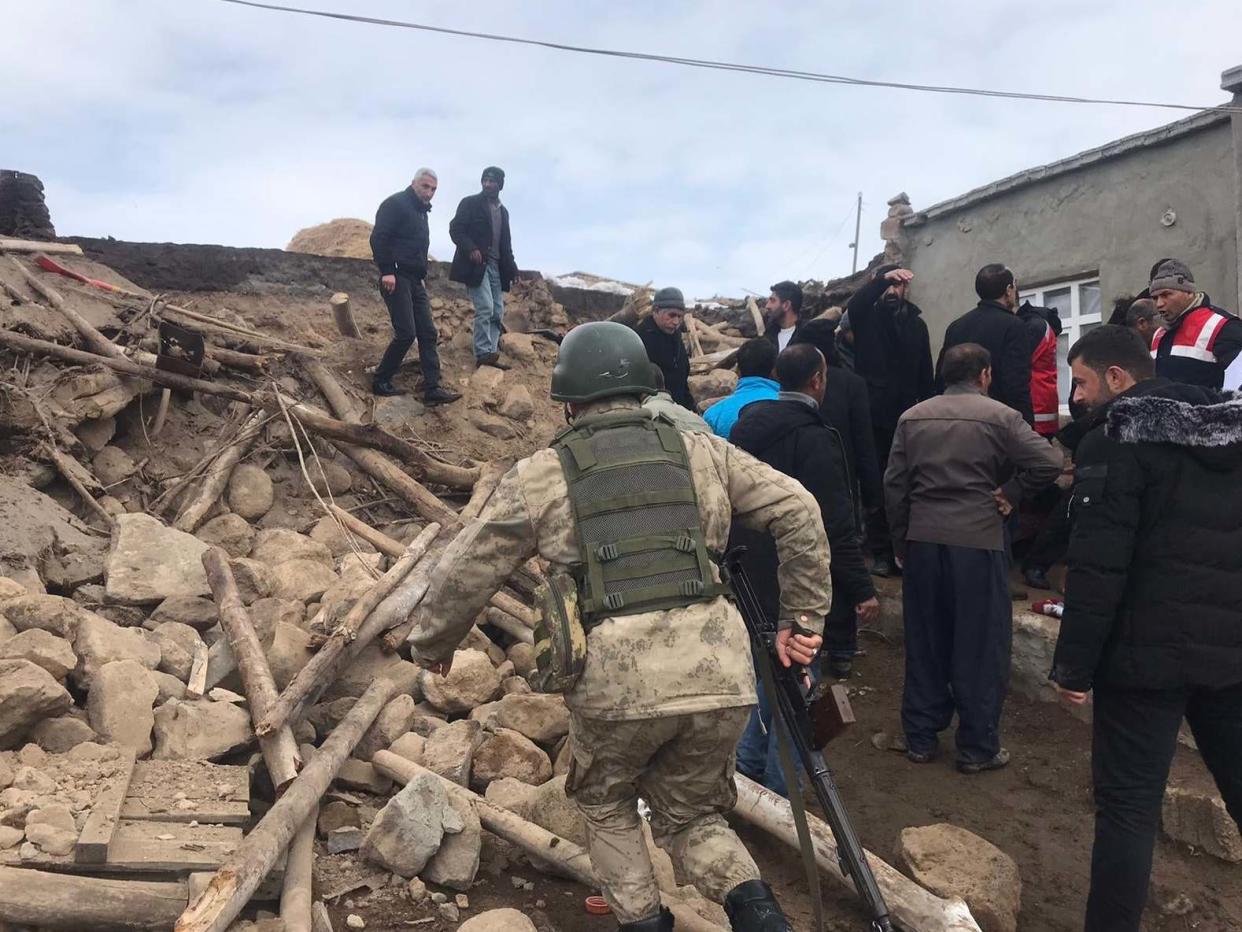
x=637, y=516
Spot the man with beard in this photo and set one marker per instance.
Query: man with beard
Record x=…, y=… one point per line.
x=484, y=262
x=1153, y=603
x=661, y=335
x=892, y=352
x=1198, y=340
x=782, y=314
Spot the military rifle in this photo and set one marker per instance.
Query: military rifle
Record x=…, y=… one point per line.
x=812, y=717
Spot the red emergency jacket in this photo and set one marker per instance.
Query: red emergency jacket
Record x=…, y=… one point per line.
x=1045, y=399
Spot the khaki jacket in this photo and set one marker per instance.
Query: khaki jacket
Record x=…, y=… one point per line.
x=654, y=664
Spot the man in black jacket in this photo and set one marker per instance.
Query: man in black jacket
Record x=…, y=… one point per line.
x=782, y=314
x=1153, y=607
x=892, y=352
x=399, y=243
x=483, y=262
x=993, y=324
x=661, y=335
x=790, y=435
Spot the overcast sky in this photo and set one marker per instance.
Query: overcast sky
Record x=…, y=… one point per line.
x=199, y=121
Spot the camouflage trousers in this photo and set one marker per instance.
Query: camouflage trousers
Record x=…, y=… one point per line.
x=683, y=767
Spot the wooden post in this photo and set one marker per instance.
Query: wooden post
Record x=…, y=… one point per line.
x=295, y=895
x=691, y=327
x=557, y=854
x=323, y=667
x=71, y=904
x=321, y=919
x=196, y=687
x=343, y=316
x=757, y=317
x=96, y=835
x=280, y=750
x=217, y=476
x=237, y=879
x=911, y=906
x=30, y=245
x=66, y=469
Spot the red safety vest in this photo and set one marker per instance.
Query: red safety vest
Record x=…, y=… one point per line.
x=1186, y=352
x=1045, y=400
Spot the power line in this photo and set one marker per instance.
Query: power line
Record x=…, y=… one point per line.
x=710, y=64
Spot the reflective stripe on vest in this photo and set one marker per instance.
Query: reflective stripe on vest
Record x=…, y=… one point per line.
x=1195, y=336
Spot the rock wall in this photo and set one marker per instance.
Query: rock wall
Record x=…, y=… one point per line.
x=23, y=211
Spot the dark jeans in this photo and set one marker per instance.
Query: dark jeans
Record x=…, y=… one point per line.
x=840, y=630
x=1135, y=736
x=959, y=631
x=411, y=319
x=879, y=539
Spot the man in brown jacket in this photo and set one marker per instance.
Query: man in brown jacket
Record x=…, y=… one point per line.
x=946, y=502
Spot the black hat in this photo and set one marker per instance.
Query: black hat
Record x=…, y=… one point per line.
x=669, y=298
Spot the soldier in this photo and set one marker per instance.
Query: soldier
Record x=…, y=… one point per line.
x=668, y=681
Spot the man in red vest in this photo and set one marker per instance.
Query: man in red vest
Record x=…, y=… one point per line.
x=1198, y=340
x=1043, y=326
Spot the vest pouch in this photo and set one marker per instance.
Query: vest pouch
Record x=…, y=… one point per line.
x=560, y=639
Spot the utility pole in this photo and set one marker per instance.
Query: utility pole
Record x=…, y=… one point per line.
x=857, y=227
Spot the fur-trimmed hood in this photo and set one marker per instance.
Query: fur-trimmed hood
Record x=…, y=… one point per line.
x=1206, y=422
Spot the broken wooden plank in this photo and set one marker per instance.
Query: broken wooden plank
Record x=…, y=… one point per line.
x=96, y=834
x=72, y=904
x=196, y=686
x=188, y=791
x=31, y=245
x=146, y=848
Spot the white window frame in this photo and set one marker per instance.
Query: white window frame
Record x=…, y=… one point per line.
x=1072, y=323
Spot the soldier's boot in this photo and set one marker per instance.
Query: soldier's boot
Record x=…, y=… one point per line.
x=661, y=923
x=751, y=907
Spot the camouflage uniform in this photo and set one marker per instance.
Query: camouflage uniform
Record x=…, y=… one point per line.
x=666, y=694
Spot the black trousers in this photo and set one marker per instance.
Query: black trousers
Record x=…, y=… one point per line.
x=959, y=631
x=1135, y=736
x=879, y=539
x=1051, y=542
x=410, y=312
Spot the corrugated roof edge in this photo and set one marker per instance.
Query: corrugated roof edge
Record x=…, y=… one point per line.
x=1167, y=133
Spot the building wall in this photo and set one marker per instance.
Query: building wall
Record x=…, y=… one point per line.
x=1103, y=218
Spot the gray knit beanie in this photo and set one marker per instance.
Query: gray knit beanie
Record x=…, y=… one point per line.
x=1173, y=275
x=669, y=298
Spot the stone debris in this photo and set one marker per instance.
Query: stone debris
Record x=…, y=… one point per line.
x=542, y=718
x=200, y=730
x=950, y=861
x=101, y=642
x=1201, y=820
x=450, y=750
x=28, y=694
x=360, y=775
x=150, y=562
x=505, y=753
x=250, y=493
x=54, y=654
x=408, y=830
x=498, y=920
x=472, y=682
x=456, y=863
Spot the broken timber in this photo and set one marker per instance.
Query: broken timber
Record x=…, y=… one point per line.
x=96, y=835
x=217, y=476
x=71, y=904
x=30, y=245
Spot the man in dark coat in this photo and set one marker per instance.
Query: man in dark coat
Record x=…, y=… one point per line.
x=994, y=325
x=1198, y=341
x=484, y=262
x=782, y=314
x=892, y=352
x=661, y=335
x=1153, y=605
x=399, y=243
x=790, y=435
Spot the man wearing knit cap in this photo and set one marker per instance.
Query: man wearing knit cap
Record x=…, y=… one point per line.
x=661, y=334
x=1198, y=341
x=484, y=262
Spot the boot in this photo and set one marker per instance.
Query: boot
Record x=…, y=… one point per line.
x=751, y=907
x=440, y=396
x=661, y=923
x=385, y=389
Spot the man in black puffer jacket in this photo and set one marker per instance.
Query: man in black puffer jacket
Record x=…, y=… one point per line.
x=789, y=435
x=1153, y=609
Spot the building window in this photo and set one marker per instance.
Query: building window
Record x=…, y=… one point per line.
x=1078, y=305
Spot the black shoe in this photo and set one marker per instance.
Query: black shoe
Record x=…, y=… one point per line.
x=660, y=923
x=1037, y=578
x=751, y=907
x=922, y=757
x=884, y=566
x=385, y=389
x=995, y=763
x=439, y=396
x=493, y=360
x=839, y=667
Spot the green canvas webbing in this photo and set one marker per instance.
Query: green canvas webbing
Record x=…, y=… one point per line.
x=637, y=516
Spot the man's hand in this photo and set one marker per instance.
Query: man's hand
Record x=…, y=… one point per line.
x=1070, y=697
x=899, y=276
x=797, y=648
x=389, y=283
x=476, y=256
x=1003, y=505
x=868, y=611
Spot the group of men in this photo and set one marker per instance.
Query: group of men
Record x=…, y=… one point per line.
x=836, y=428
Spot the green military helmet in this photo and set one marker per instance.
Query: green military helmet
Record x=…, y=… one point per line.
x=599, y=360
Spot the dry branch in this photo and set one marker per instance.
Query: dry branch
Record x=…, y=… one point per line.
x=218, y=475
x=72, y=904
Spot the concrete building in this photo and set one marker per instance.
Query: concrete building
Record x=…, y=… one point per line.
x=1083, y=229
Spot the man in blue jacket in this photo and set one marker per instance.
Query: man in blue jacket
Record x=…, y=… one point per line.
x=755, y=360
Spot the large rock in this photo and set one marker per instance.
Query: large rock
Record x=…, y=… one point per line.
x=328, y=532
x=408, y=831
x=410, y=746
x=498, y=920
x=278, y=545
x=714, y=384
x=449, y=751
x=521, y=346
x=67, y=571
x=196, y=612
x=101, y=642
x=150, y=562
x=60, y=735
x=393, y=721
x=250, y=492
x=178, y=644
x=950, y=861
x=551, y=808
x=52, y=829
x=200, y=730
x=517, y=405
x=303, y=580
x=370, y=664
x=1201, y=820
x=28, y=694
x=329, y=477
x=96, y=433
x=472, y=682
x=508, y=754
x=542, y=718
x=254, y=580
x=120, y=705
x=51, y=613
x=7, y=630
x=46, y=650
x=514, y=795
x=113, y=465
x=288, y=652
x=267, y=613
x=230, y=532
x=457, y=862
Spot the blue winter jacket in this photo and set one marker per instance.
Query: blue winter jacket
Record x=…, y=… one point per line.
x=724, y=413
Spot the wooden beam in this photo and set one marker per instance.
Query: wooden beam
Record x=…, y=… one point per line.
x=344, y=317
x=695, y=346
x=295, y=895
x=31, y=245
x=755, y=316
x=236, y=880
x=96, y=835
x=196, y=686
x=217, y=476
x=72, y=904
